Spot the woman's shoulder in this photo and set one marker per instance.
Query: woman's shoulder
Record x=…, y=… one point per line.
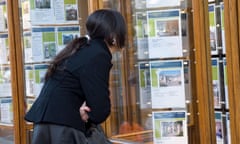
x=87, y=53
x=95, y=47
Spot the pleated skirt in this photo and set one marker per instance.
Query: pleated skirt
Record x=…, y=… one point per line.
x=45, y=133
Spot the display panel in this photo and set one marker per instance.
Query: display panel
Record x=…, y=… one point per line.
x=132, y=118
x=156, y=73
x=47, y=27
x=219, y=72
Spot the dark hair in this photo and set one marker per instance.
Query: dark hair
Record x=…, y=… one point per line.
x=103, y=23
x=107, y=24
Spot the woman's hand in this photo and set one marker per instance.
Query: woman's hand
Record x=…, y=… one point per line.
x=84, y=112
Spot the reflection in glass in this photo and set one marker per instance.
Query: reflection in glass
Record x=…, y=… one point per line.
x=144, y=78
x=6, y=101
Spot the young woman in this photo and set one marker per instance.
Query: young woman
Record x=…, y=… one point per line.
x=76, y=77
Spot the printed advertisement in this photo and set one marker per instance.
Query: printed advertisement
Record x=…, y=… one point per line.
x=187, y=78
x=29, y=80
x=26, y=14
x=4, y=49
x=169, y=127
x=53, y=11
x=48, y=41
x=216, y=83
x=5, y=81
x=212, y=28
x=145, y=85
x=141, y=33
x=225, y=83
x=167, y=84
x=65, y=35
x=6, y=110
x=139, y=4
x=27, y=40
x=3, y=16
x=66, y=11
x=219, y=127
x=39, y=74
x=30, y=102
x=228, y=128
x=164, y=33
x=222, y=28
x=42, y=12
x=43, y=43
x=185, y=34
x=162, y=3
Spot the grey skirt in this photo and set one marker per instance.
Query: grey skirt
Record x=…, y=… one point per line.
x=56, y=134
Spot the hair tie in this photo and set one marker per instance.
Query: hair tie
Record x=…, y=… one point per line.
x=87, y=36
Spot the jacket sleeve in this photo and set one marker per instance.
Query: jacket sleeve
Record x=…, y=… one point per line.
x=94, y=80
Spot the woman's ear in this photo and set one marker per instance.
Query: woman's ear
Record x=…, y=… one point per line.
x=114, y=41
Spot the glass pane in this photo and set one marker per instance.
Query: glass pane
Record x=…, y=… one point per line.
x=151, y=85
x=6, y=107
x=113, y=4
x=218, y=54
x=47, y=26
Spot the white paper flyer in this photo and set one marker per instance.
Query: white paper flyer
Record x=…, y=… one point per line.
x=140, y=4
x=219, y=127
x=29, y=80
x=145, y=85
x=65, y=35
x=6, y=109
x=187, y=79
x=30, y=102
x=53, y=12
x=26, y=14
x=164, y=33
x=27, y=44
x=169, y=127
x=39, y=74
x=225, y=82
x=222, y=28
x=162, y=3
x=141, y=33
x=228, y=128
x=212, y=28
x=66, y=11
x=43, y=43
x=42, y=12
x=216, y=83
x=4, y=49
x=3, y=16
x=167, y=84
x=5, y=81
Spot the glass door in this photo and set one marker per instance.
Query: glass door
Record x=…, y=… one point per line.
x=47, y=26
x=162, y=68
x=219, y=71
x=6, y=95
x=152, y=99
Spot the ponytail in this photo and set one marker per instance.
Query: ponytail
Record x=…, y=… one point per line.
x=68, y=51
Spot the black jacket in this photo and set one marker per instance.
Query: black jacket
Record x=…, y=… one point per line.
x=84, y=77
